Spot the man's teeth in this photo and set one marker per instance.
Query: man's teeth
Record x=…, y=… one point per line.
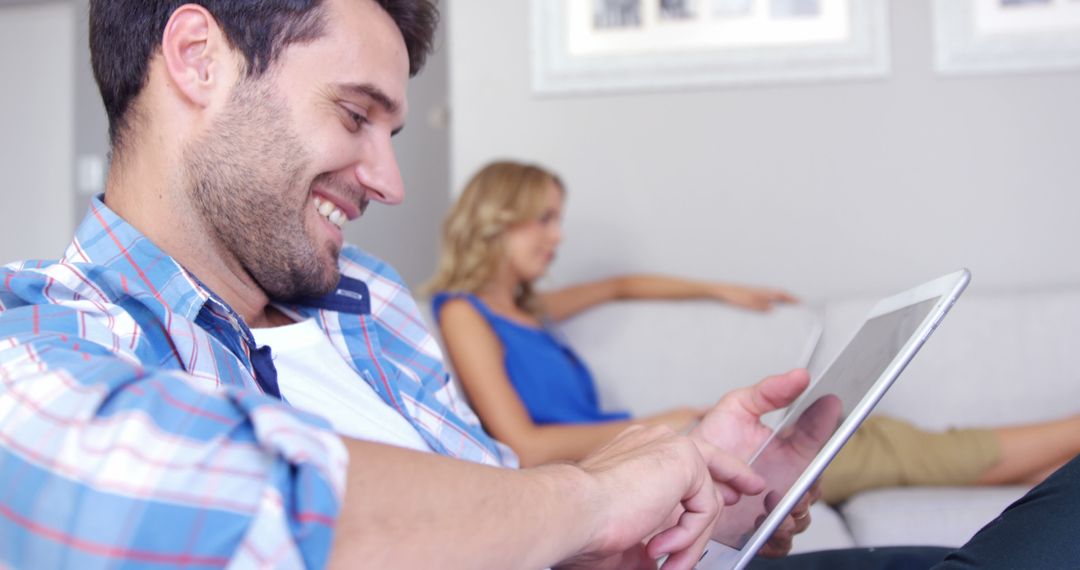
x=331, y=212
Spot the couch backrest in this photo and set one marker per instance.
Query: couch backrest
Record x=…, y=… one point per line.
x=648, y=356
x=996, y=359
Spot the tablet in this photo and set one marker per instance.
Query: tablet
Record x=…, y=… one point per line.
x=816, y=426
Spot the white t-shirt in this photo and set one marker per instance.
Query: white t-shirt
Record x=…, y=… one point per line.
x=314, y=377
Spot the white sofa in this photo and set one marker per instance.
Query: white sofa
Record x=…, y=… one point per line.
x=997, y=359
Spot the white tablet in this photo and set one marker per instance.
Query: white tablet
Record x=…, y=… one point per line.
x=817, y=425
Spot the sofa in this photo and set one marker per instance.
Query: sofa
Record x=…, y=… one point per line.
x=998, y=358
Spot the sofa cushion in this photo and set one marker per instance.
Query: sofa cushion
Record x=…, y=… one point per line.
x=930, y=516
x=649, y=356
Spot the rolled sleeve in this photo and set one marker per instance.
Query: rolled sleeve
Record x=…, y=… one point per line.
x=106, y=463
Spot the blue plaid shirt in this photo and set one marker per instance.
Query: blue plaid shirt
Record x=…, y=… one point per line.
x=141, y=426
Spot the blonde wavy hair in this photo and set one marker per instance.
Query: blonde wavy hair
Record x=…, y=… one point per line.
x=500, y=196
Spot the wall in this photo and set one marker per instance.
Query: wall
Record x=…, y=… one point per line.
x=91, y=124
x=36, y=111
x=828, y=189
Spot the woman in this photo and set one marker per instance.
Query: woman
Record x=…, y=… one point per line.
x=532, y=391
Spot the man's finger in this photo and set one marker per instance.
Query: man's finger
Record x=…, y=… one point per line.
x=780, y=542
x=797, y=521
x=776, y=548
x=726, y=469
x=772, y=393
x=802, y=521
x=686, y=540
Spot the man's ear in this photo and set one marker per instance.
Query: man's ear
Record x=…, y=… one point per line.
x=198, y=60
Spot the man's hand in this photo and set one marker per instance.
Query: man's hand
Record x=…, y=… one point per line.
x=650, y=483
x=734, y=425
x=797, y=521
x=634, y=558
x=785, y=458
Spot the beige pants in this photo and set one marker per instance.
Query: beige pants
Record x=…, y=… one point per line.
x=887, y=452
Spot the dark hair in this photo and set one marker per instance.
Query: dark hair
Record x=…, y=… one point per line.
x=124, y=34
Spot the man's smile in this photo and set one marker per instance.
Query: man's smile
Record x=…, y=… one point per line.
x=331, y=212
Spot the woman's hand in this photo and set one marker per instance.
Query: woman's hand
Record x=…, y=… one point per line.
x=753, y=298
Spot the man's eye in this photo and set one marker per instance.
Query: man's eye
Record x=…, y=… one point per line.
x=356, y=120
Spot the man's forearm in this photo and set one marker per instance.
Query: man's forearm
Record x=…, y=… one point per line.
x=405, y=509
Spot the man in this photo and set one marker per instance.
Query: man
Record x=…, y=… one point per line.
x=140, y=422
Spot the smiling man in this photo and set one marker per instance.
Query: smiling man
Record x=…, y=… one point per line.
x=248, y=177
x=144, y=423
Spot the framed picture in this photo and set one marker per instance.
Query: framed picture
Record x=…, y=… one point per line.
x=587, y=46
x=976, y=36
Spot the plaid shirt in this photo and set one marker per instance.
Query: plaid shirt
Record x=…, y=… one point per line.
x=140, y=425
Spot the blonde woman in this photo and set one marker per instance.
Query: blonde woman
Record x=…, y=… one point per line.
x=530, y=389
x=533, y=392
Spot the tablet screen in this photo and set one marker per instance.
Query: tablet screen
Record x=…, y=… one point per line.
x=814, y=418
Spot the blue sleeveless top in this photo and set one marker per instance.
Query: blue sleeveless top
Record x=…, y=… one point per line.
x=550, y=379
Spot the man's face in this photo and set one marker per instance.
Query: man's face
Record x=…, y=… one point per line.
x=301, y=150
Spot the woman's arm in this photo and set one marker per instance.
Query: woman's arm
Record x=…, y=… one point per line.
x=477, y=357
x=565, y=303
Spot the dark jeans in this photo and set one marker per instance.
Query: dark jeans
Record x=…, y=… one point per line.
x=887, y=558
x=1040, y=530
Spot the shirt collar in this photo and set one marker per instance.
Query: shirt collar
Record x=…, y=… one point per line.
x=104, y=238
x=350, y=296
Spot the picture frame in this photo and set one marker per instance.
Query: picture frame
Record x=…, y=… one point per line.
x=605, y=46
x=1007, y=36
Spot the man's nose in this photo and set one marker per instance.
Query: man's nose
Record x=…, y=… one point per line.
x=377, y=171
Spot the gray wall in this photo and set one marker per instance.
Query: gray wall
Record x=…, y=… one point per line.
x=60, y=100
x=91, y=124
x=36, y=114
x=828, y=189
x=825, y=188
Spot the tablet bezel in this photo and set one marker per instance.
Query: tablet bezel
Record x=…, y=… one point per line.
x=947, y=288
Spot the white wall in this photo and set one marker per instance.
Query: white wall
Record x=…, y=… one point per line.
x=36, y=114
x=828, y=189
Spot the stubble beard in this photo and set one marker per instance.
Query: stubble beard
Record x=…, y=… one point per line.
x=245, y=182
